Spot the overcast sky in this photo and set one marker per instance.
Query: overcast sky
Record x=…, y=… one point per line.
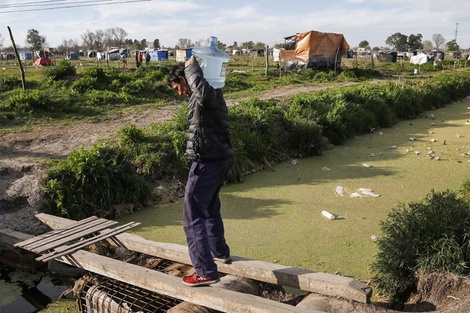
x=267, y=21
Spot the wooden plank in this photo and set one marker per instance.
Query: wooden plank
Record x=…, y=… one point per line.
x=212, y=297
x=55, y=231
x=51, y=243
x=107, y=233
x=318, y=282
x=11, y=237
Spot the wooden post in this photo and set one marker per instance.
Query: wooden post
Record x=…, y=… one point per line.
x=372, y=60
x=267, y=60
x=336, y=58
x=23, y=81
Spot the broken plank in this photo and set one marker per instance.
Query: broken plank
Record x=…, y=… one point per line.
x=56, y=231
x=63, y=250
x=57, y=241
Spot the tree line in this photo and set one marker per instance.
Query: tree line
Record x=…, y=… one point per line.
x=401, y=42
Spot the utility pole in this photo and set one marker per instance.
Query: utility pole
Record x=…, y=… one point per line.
x=456, y=27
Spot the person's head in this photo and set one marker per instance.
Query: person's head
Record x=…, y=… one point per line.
x=177, y=81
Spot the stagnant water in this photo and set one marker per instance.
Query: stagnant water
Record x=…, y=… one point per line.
x=27, y=292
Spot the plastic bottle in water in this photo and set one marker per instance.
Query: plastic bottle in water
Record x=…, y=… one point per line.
x=213, y=63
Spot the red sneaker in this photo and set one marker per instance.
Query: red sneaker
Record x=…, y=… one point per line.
x=195, y=280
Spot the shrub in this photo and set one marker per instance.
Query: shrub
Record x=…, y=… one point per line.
x=92, y=182
x=9, y=83
x=431, y=235
x=25, y=101
x=62, y=70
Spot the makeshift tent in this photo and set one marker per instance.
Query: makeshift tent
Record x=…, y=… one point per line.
x=315, y=50
x=43, y=61
x=182, y=55
x=388, y=56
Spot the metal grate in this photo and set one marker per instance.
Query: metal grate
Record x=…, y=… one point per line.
x=112, y=296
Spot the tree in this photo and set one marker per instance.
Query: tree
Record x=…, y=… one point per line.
x=364, y=44
x=156, y=44
x=452, y=46
x=35, y=40
x=415, y=42
x=259, y=45
x=93, y=41
x=118, y=35
x=143, y=44
x=438, y=40
x=248, y=45
x=184, y=43
x=398, y=41
x=67, y=46
x=427, y=45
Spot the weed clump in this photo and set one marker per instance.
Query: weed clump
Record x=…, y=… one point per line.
x=431, y=235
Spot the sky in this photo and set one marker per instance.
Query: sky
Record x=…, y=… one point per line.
x=267, y=21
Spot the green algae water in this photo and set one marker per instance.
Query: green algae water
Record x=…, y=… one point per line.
x=275, y=215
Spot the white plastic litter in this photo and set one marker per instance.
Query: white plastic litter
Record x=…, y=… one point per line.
x=328, y=215
x=393, y=147
x=366, y=165
x=295, y=162
x=368, y=192
x=356, y=195
x=339, y=191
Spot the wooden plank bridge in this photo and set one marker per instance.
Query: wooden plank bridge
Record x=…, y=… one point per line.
x=65, y=242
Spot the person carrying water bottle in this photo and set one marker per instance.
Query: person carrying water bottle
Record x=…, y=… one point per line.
x=210, y=150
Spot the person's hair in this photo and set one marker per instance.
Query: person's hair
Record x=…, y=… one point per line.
x=175, y=73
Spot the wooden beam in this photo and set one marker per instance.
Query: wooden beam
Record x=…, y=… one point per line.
x=161, y=283
x=212, y=296
x=317, y=282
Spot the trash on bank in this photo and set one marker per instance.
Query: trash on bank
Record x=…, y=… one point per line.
x=339, y=191
x=328, y=215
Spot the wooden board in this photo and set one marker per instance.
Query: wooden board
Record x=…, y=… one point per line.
x=311, y=281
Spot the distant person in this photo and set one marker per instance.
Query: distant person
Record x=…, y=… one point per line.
x=147, y=58
x=139, y=59
x=208, y=147
x=124, y=60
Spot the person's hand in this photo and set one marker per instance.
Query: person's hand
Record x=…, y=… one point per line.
x=191, y=60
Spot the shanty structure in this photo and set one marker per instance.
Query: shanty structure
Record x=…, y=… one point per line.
x=313, y=49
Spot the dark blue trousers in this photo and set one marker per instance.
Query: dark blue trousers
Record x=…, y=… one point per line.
x=202, y=220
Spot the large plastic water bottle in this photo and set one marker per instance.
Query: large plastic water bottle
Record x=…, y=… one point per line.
x=213, y=63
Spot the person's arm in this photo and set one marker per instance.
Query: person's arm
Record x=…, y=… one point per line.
x=198, y=84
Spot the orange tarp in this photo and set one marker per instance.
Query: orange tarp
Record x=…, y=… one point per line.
x=313, y=44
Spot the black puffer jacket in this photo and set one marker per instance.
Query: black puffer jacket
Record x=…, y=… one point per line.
x=208, y=121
